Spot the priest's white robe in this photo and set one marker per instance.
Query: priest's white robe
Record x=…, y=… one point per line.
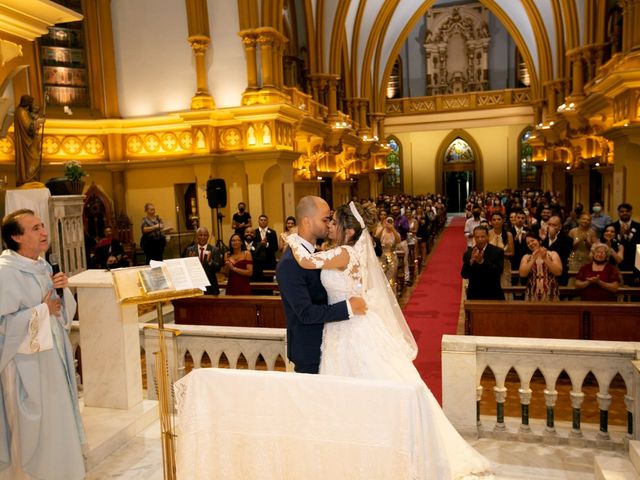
x=43, y=437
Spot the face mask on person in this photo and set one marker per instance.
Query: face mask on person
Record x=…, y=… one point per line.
x=241, y=209
x=597, y=209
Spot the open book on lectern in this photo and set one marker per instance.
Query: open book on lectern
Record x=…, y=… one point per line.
x=159, y=279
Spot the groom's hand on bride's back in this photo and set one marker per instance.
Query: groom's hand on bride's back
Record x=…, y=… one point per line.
x=358, y=305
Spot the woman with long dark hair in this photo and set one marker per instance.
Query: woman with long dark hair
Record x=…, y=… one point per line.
x=238, y=267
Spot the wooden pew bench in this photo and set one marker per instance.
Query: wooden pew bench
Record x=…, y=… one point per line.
x=231, y=311
x=568, y=320
x=624, y=294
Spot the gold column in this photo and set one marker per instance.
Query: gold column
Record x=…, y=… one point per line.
x=362, y=104
x=249, y=43
x=552, y=103
x=631, y=23
x=199, y=38
x=266, y=52
x=577, y=87
x=332, y=100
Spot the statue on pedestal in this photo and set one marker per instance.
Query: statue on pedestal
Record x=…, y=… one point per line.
x=27, y=141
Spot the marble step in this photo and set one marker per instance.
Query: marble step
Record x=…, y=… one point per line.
x=634, y=454
x=614, y=468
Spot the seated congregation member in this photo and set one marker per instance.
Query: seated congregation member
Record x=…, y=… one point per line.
x=109, y=252
x=541, y=268
x=210, y=258
x=598, y=280
x=482, y=265
x=559, y=242
x=238, y=267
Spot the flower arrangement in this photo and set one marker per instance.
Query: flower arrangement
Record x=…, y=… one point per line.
x=73, y=171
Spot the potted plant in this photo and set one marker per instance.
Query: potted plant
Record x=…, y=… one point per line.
x=74, y=174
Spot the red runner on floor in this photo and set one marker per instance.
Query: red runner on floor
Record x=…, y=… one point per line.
x=434, y=306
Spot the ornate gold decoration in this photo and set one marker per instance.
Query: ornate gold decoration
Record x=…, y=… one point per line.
x=9, y=51
x=93, y=146
x=71, y=145
x=50, y=145
x=6, y=146
x=186, y=140
x=230, y=138
x=169, y=142
x=151, y=143
x=134, y=144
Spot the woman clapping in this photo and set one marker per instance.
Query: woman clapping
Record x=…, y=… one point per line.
x=541, y=268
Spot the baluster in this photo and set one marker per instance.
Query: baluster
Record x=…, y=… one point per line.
x=501, y=395
x=525, y=400
x=576, y=402
x=550, y=398
x=478, y=398
x=604, y=402
x=629, y=403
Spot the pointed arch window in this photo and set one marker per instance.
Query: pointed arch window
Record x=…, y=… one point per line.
x=393, y=176
x=459, y=151
x=528, y=170
x=394, y=85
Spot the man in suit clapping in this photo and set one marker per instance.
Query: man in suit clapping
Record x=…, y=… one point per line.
x=210, y=258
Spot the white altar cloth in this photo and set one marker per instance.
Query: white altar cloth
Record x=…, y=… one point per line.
x=244, y=425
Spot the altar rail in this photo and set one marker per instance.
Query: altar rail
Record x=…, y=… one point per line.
x=255, y=348
x=568, y=320
x=464, y=359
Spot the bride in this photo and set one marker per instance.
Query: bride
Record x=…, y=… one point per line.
x=379, y=345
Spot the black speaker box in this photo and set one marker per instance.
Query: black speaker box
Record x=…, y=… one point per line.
x=217, y=193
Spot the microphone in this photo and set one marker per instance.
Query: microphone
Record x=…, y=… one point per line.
x=55, y=266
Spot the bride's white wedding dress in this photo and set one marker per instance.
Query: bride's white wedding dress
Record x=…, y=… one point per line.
x=372, y=347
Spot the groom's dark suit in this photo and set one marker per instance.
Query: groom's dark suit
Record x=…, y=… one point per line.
x=306, y=310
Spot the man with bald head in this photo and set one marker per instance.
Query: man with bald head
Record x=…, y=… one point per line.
x=303, y=296
x=210, y=258
x=559, y=242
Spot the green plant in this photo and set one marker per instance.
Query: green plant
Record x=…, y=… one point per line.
x=73, y=171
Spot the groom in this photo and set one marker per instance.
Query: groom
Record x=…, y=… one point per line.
x=304, y=297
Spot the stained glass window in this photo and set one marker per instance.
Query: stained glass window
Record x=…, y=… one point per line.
x=392, y=177
x=459, y=151
x=528, y=171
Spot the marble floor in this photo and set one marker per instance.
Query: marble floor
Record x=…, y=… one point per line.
x=141, y=459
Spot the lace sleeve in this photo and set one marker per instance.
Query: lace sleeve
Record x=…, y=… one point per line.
x=336, y=258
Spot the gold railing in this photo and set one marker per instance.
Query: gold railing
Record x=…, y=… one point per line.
x=458, y=102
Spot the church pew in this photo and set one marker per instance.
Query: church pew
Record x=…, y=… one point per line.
x=568, y=320
x=258, y=287
x=231, y=311
x=571, y=293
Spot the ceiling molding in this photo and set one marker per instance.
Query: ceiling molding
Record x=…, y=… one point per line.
x=29, y=19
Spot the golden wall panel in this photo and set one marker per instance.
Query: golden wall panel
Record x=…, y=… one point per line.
x=153, y=144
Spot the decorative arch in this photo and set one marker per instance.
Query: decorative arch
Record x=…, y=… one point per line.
x=536, y=81
x=475, y=166
x=392, y=180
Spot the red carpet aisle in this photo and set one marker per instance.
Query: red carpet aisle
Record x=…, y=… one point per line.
x=434, y=306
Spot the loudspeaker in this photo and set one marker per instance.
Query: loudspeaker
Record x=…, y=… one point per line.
x=217, y=193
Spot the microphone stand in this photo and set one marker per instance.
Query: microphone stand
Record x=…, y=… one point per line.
x=179, y=231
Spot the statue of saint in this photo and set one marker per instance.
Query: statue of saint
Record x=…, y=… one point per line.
x=27, y=123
